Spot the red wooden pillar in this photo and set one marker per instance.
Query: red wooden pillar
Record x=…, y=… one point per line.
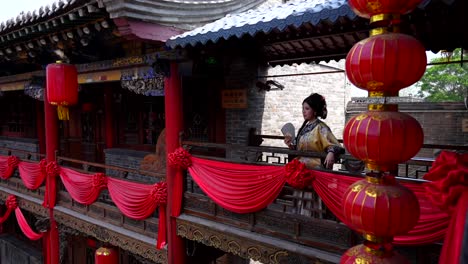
x=174, y=125
x=40, y=126
x=108, y=100
x=52, y=144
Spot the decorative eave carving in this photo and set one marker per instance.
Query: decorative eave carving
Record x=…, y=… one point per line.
x=102, y=233
x=138, y=247
x=186, y=14
x=244, y=246
x=131, y=29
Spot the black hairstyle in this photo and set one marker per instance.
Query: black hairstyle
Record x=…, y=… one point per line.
x=319, y=105
x=317, y=102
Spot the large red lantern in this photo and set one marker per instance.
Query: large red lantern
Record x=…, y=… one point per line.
x=386, y=63
x=380, y=208
x=383, y=139
x=62, y=87
x=369, y=8
x=106, y=255
x=364, y=255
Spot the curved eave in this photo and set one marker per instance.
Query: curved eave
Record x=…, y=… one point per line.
x=181, y=14
x=238, y=26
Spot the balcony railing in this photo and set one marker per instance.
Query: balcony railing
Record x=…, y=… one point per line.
x=103, y=210
x=298, y=216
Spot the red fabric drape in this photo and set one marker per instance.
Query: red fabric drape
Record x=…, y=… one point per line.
x=83, y=188
x=430, y=228
x=32, y=174
x=449, y=191
x=248, y=188
x=135, y=200
x=8, y=165
x=237, y=187
x=52, y=171
x=23, y=224
x=11, y=204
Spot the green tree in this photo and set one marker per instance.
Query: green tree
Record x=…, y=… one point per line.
x=445, y=82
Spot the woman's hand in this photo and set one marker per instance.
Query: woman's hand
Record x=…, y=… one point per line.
x=329, y=160
x=288, y=140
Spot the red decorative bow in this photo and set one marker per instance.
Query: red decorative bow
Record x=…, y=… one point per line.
x=11, y=202
x=159, y=193
x=297, y=174
x=100, y=180
x=180, y=158
x=52, y=169
x=13, y=161
x=449, y=176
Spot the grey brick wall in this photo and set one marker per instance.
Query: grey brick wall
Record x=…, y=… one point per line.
x=442, y=123
x=126, y=158
x=269, y=111
x=23, y=144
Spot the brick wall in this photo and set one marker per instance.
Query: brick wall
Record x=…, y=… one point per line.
x=23, y=144
x=268, y=111
x=442, y=123
x=126, y=158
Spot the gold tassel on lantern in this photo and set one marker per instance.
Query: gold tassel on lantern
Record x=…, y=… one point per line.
x=62, y=112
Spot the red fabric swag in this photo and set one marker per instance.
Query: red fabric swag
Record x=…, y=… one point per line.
x=82, y=187
x=23, y=224
x=11, y=205
x=8, y=165
x=449, y=191
x=32, y=174
x=239, y=188
x=135, y=200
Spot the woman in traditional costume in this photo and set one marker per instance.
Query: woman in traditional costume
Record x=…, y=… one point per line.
x=314, y=135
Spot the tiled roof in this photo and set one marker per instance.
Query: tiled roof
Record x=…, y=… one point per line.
x=37, y=15
x=278, y=18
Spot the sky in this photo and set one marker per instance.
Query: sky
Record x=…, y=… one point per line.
x=12, y=8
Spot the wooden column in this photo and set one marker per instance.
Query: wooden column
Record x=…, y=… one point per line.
x=52, y=144
x=40, y=126
x=174, y=125
x=109, y=113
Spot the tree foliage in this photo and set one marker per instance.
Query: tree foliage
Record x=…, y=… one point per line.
x=445, y=82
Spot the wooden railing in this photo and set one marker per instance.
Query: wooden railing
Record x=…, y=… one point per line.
x=298, y=216
x=103, y=209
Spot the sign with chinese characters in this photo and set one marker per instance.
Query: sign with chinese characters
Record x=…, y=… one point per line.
x=234, y=99
x=143, y=81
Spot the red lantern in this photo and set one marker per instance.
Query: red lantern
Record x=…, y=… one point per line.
x=380, y=208
x=386, y=63
x=364, y=255
x=383, y=139
x=62, y=87
x=369, y=8
x=106, y=255
x=87, y=107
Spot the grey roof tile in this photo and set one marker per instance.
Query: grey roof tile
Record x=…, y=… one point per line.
x=265, y=20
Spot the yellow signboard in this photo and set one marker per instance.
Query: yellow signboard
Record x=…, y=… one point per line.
x=234, y=99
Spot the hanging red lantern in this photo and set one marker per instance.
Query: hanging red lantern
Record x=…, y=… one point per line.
x=87, y=107
x=383, y=139
x=380, y=208
x=106, y=255
x=369, y=8
x=386, y=63
x=62, y=87
x=365, y=255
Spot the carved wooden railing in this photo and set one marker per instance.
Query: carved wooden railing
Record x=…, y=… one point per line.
x=296, y=216
x=103, y=210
